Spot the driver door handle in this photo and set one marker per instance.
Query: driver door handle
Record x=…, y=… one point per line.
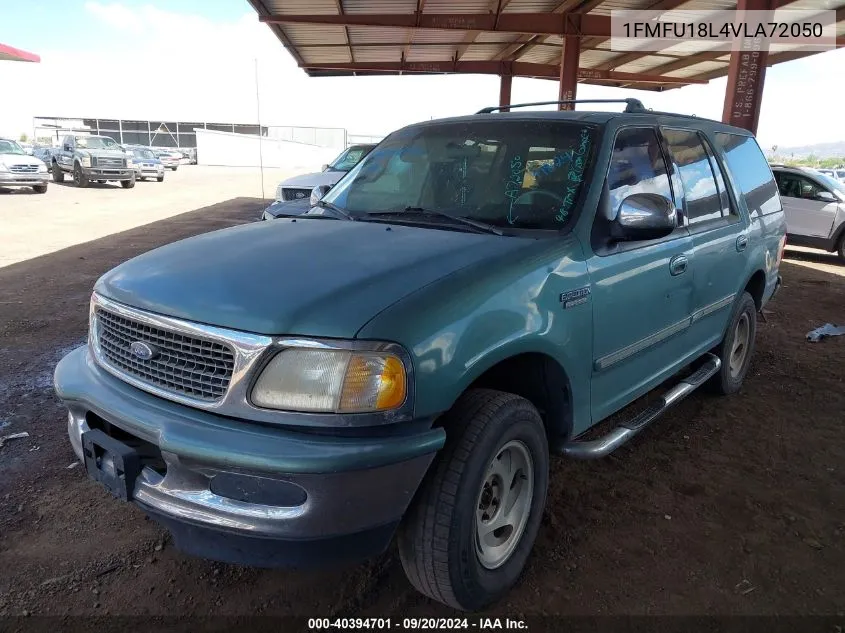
x=741, y=243
x=678, y=265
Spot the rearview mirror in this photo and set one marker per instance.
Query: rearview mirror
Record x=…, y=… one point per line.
x=645, y=216
x=324, y=167
x=317, y=193
x=825, y=196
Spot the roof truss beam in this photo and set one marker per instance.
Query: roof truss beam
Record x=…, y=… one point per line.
x=517, y=69
x=533, y=23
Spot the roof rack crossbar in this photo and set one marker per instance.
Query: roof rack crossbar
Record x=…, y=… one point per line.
x=633, y=105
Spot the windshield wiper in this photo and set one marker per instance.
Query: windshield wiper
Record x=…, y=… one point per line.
x=333, y=207
x=476, y=224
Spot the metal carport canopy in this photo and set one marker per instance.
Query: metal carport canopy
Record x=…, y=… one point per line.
x=11, y=54
x=565, y=40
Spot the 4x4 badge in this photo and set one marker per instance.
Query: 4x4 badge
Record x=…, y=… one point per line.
x=575, y=297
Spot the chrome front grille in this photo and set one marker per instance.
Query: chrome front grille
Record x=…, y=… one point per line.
x=295, y=193
x=107, y=161
x=23, y=169
x=181, y=364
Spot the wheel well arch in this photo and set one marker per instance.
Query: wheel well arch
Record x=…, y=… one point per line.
x=756, y=287
x=538, y=378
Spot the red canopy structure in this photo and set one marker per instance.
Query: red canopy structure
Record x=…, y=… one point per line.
x=11, y=54
x=563, y=40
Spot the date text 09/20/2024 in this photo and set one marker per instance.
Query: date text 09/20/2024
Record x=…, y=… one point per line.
x=432, y=624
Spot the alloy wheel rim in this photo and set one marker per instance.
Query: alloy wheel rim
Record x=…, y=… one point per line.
x=504, y=504
x=739, y=349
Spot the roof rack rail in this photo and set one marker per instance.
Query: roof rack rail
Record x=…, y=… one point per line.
x=633, y=105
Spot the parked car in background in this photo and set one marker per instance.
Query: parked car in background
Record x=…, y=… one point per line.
x=814, y=204
x=169, y=158
x=826, y=172
x=839, y=174
x=44, y=154
x=293, y=195
x=147, y=164
x=19, y=169
x=477, y=293
x=92, y=157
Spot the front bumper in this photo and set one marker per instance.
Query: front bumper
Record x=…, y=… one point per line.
x=246, y=493
x=24, y=180
x=98, y=173
x=149, y=173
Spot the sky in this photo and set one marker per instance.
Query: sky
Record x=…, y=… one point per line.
x=197, y=60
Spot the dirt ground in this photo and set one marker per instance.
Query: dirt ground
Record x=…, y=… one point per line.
x=725, y=506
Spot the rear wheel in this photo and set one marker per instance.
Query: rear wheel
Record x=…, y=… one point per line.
x=79, y=177
x=737, y=348
x=58, y=174
x=40, y=188
x=471, y=527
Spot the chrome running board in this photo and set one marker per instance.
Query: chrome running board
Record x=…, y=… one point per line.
x=606, y=444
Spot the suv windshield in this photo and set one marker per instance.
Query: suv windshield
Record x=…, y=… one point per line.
x=519, y=174
x=96, y=142
x=143, y=153
x=10, y=147
x=349, y=158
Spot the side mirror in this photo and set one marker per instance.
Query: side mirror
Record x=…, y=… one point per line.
x=645, y=216
x=324, y=167
x=317, y=193
x=826, y=196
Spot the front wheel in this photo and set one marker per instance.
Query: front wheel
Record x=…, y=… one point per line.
x=841, y=250
x=58, y=174
x=737, y=348
x=79, y=177
x=471, y=527
x=160, y=178
x=40, y=188
x=128, y=184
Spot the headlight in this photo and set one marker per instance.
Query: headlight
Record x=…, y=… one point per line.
x=331, y=381
x=85, y=160
x=42, y=168
x=129, y=162
x=3, y=167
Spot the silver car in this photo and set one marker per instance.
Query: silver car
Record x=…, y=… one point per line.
x=814, y=204
x=19, y=169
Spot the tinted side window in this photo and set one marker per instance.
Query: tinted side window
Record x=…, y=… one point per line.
x=636, y=166
x=751, y=172
x=724, y=198
x=701, y=196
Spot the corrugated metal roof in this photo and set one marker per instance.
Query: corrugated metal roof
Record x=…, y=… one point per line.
x=324, y=49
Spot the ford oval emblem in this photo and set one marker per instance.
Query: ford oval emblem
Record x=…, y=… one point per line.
x=144, y=351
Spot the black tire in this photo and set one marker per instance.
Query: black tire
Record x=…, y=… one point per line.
x=840, y=250
x=58, y=174
x=437, y=538
x=174, y=168
x=128, y=184
x=160, y=178
x=40, y=188
x=101, y=182
x=79, y=177
x=728, y=380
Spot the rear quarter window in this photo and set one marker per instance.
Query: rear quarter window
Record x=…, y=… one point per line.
x=751, y=173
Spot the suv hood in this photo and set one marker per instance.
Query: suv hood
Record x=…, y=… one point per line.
x=322, y=278
x=328, y=177
x=19, y=159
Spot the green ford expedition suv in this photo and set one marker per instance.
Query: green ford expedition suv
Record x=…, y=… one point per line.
x=477, y=294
